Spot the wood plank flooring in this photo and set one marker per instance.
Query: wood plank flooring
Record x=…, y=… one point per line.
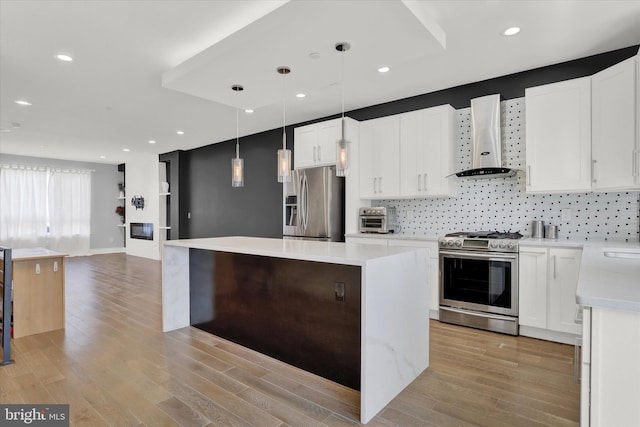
x=114, y=366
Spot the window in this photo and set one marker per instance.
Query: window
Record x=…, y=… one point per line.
x=45, y=208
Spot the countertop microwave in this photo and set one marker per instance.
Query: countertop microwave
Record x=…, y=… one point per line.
x=377, y=220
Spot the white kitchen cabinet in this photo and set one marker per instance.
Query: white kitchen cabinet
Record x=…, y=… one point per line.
x=564, y=267
x=610, y=377
x=532, y=292
x=558, y=137
x=548, y=278
x=380, y=158
x=614, y=126
x=426, y=152
x=315, y=144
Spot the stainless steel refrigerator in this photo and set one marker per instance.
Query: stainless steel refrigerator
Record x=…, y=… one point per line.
x=314, y=205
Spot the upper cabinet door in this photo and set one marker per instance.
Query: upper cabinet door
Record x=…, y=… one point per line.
x=412, y=153
x=379, y=158
x=329, y=133
x=315, y=144
x=305, y=142
x=558, y=136
x=614, y=116
x=426, y=151
x=438, y=154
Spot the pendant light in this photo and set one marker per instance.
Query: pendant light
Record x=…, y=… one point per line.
x=237, y=164
x=342, y=148
x=284, y=155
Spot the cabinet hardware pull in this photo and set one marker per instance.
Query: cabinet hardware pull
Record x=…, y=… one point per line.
x=319, y=154
x=634, y=162
x=593, y=171
x=419, y=189
x=314, y=154
x=374, y=185
x=528, y=175
x=554, y=267
x=424, y=177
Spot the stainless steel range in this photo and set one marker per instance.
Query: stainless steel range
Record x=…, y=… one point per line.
x=479, y=280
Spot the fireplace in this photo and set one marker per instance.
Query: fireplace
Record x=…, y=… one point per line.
x=141, y=230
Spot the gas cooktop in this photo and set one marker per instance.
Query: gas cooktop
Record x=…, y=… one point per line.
x=486, y=235
x=488, y=241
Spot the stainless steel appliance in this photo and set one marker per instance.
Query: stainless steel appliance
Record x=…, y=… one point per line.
x=379, y=219
x=479, y=280
x=314, y=205
x=486, y=140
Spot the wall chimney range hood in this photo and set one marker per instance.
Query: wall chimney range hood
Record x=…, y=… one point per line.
x=486, y=140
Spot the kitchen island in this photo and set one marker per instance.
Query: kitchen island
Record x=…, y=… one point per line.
x=38, y=291
x=387, y=288
x=609, y=292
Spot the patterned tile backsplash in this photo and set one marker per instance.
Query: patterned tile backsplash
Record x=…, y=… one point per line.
x=502, y=203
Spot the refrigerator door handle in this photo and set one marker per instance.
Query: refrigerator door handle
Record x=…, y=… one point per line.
x=306, y=202
x=301, y=203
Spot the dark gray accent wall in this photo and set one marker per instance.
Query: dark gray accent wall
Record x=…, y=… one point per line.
x=217, y=209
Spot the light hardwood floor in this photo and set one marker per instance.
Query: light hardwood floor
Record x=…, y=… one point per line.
x=114, y=366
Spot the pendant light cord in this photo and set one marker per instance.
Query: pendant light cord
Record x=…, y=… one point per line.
x=342, y=86
x=284, y=114
x=342, y=80
x=237, y=133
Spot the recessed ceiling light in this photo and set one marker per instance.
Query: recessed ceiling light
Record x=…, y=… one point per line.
x=126, y=150
x=300, y=95
x=248, y=111
x=5, y=130
x=383, y=69
x=511, y=31
x=180, y=132
x=63, y=57
x=151, y=141
x=103, y=157
x=22, y=102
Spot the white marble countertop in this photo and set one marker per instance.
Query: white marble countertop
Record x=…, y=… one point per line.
x=609, y=282
x=423, y=237
x=307, y=250
x=575, y=242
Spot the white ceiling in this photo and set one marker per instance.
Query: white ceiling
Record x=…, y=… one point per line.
x=144, y=69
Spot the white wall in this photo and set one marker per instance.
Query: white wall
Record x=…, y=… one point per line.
x=106, y=236
x=142, y=180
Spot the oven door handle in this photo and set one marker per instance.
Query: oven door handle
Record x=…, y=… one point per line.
x=488, y=256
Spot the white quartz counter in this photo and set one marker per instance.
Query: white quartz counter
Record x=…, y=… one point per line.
x=393, y=236
x=606, y=282
x=609, y=282
x=306, y=250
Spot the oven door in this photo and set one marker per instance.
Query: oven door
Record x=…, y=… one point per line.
x=480, y=281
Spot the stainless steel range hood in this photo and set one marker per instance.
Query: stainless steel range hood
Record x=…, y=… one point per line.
x=486, y=140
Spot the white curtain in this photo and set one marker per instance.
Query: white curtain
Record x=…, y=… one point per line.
x=70, y=211
x=23, y=207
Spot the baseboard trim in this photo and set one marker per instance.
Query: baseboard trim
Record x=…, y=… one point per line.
x=103, y=251
x=547, y=335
